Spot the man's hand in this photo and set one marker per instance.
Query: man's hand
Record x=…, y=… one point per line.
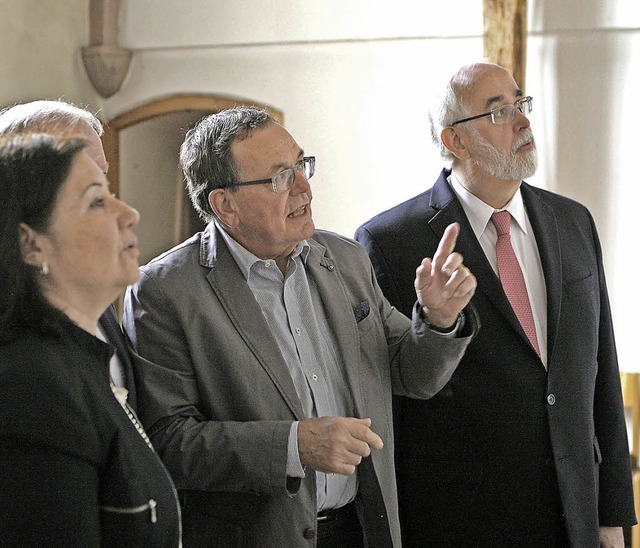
x=336, y=445
x=611, y=537
x=444, y=286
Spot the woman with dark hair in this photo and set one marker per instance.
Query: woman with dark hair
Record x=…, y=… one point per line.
x=76, y=467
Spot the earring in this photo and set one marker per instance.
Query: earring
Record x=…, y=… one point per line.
x=44, y=269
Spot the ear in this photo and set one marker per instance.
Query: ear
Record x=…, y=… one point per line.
x=31, y=246
x=455, y=141
x=223, y=205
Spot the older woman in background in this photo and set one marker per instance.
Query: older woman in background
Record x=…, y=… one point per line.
x=76, y=468
x=63, y=118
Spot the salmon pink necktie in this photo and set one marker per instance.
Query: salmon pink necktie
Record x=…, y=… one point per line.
x=511, y=276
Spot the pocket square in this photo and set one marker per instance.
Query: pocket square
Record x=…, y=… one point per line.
x=361, y=311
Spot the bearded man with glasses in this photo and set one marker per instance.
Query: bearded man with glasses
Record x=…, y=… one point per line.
x=526, y=444
x=267, y=354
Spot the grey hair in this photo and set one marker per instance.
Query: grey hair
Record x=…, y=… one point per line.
x=205, y=154
x=450, y=105
x=48, y=116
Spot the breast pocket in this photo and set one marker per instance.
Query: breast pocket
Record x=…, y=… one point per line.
x=580, y=286
x=363, y=316
x=361, y=310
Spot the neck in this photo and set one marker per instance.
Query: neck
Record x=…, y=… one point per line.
x=85, y=316
x=492, y=191
x=281, y=258
x=282, y=263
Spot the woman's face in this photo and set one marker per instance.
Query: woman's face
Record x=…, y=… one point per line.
x=90, y=246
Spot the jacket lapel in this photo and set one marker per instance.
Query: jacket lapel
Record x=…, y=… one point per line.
x=341, y=316
x=339, y=312
x=545, y=227
x=231, y=288
x=115, y=336
x=450, y=210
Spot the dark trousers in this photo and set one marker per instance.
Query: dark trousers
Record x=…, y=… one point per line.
x=340, y=528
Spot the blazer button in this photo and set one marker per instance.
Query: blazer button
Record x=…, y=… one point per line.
x=309, y=533
x=551, y=399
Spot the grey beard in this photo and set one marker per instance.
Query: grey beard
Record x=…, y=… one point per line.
x=507, y=165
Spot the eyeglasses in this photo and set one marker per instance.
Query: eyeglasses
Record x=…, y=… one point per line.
x=505, y=113
x=284, y=180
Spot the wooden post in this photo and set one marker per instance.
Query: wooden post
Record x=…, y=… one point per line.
x=505, y=36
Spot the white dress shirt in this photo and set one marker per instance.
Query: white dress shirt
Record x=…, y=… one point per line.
x=524, y=244
x=293, y=308
x=115, y=366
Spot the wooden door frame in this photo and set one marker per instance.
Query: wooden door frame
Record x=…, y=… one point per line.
x=206, y=104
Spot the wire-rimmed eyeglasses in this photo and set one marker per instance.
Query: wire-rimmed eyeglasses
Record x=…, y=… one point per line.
x=505, y=113
x=284, y=180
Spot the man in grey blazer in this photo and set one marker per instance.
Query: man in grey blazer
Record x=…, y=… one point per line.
x=268, y=354
x=526, y=444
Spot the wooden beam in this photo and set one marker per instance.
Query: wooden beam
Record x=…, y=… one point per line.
x=505, y=36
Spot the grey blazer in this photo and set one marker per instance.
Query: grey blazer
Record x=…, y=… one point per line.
x=218, y=401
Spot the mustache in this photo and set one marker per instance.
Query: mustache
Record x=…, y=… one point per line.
x=525, y=138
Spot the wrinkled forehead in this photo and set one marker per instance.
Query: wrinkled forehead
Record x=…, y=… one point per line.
x=94, y=148
x=266, y=149
x=483, y=87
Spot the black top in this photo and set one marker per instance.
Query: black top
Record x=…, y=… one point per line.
x=74, y=469
x=114, y=335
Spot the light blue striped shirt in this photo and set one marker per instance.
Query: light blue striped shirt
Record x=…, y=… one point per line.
x=292, y=307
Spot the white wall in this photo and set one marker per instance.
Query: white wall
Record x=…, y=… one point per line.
x=352, y=78
x=584, y=66
x=40, y=51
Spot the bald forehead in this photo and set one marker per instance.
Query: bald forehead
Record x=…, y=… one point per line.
x=94, y=147
x=484, y=86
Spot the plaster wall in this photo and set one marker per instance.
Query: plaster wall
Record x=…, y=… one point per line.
x=353, y=78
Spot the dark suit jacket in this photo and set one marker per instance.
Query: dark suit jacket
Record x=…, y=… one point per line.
x=115, y=336
x=477, y=463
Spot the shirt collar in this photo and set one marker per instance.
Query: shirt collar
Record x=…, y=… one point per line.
x=245, y=259
x=479, y=213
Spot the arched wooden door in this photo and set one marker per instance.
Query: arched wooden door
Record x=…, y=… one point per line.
x=206, y=104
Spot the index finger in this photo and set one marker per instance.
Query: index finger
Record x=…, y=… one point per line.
x=447, y=245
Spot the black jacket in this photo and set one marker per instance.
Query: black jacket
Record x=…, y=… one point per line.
x=74, y=470
x=477, y=464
